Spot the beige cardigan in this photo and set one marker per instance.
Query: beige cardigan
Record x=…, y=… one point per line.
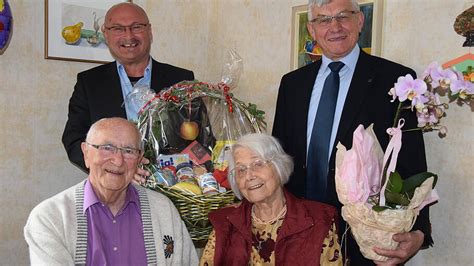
x=56, y=230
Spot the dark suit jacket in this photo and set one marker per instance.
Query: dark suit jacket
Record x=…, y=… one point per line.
x=367, y=102
x=98, y=94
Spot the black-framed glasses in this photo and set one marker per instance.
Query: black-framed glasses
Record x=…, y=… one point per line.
x=341, y=17
x=107, y=150
x=134, y=28
x=255, y=166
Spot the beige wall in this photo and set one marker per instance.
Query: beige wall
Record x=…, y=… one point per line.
x=416, y=40
x=34, y=93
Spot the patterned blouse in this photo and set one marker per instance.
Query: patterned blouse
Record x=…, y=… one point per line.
x=264, y=236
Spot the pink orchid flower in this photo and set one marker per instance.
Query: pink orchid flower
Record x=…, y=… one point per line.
x=432, y=112
x=439, y=77
x=429, y=117
x=463, y=88
x=431, y=70
x=411, y=89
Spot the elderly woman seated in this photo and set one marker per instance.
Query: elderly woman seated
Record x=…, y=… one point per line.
x=270, y=226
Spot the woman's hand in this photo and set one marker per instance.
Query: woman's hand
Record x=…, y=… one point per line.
x=408, y=244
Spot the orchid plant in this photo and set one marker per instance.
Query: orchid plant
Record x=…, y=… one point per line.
x=424, y=96
x=425, y=93
x=377, y=201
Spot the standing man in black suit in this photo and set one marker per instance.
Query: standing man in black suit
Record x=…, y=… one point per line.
x=363, y=83
x=102, y=91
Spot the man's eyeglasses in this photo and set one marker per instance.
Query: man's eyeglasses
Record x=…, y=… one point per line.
x=255, y=166
x=341, y=17
x=107, y=150
x=134, y=28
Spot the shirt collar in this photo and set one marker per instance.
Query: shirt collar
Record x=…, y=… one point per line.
x=90, y=198
x=147, y=73
x=350, y=60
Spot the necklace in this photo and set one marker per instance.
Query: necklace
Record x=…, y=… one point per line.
x=264, y=232
x=259, y=243
x=273, y=220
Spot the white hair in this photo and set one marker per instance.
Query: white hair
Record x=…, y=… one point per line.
x=113, y=122
x=268, y=148
x=320, y=3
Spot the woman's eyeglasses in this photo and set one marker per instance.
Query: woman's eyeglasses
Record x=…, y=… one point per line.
x=255, y=166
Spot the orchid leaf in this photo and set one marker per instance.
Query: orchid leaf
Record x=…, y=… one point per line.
x=395, y=183
x=379, y=208
x=415, y=181
x=397, y=198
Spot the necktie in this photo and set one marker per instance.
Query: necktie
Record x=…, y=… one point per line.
x=318, y=152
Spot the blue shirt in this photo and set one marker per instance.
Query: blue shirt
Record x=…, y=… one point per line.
x=130, y=108
x=345, y=76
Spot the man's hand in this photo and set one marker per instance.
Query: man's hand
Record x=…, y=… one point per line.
x=141, y=174
x=408, y=245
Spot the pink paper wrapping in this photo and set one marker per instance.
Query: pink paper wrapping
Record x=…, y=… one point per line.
x=358, y=174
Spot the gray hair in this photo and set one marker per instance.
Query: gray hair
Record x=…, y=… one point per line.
x=269, y=149
x=320, y=3
x=113, y=122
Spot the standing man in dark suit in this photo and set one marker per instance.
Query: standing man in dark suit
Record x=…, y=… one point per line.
x=102, y=91
x=363, y=83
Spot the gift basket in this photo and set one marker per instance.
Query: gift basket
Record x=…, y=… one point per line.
x=187, y=132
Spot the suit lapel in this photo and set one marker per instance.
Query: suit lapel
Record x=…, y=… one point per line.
x=302, y=101
x=361, y=84
x=114, y=94
x=157, y=76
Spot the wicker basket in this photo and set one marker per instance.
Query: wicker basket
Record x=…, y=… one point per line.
x=222, y=118
x=195, y=208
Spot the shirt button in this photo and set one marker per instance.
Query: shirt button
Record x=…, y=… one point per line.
x=115, y=248
x=114, y=221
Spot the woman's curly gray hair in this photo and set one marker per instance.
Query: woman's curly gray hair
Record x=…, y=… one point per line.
x=268, y=148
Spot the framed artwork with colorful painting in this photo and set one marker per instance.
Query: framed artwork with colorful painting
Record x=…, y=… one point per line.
x=73, y=30
x=305, y=50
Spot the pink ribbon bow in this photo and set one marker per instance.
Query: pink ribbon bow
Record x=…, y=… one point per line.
x=393, y=149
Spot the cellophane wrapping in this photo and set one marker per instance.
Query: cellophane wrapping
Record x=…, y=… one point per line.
x=187, y=131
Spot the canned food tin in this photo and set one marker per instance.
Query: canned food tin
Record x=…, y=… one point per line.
x=208, y=183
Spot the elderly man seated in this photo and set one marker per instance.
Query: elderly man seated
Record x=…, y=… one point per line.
x=106, y=220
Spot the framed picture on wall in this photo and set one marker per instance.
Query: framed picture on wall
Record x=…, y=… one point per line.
x=73, y=30
x=305, y=50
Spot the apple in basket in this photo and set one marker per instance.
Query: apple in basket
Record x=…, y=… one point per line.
x=189, y=130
